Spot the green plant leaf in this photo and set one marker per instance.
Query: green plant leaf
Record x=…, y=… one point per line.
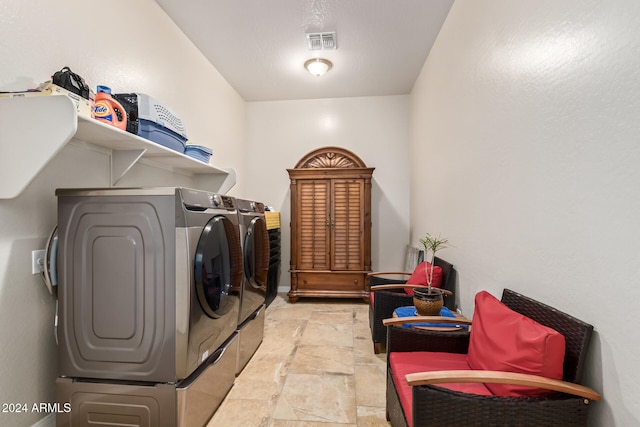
x=432, y=245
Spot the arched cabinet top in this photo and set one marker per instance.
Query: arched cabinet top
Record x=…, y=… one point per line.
x=330, y=157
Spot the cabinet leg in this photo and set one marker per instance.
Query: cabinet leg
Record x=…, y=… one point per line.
x=293, y=295
x=378, y=347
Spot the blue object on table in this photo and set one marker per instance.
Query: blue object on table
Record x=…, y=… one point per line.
x=410, y=311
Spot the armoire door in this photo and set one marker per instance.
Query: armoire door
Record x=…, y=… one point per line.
x=314, y=203
x=347, y=224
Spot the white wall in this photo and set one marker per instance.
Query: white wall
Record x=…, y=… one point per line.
x=130, y=46
x=525, y=124
x=523, y=153
x=374, y=128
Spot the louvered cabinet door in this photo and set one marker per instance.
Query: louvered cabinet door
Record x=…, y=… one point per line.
x=313, y=210
x=347, y=224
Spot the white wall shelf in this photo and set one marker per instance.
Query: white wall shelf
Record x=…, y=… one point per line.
x=34, y=129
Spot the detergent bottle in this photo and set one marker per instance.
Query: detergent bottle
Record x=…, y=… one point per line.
x=108, y=110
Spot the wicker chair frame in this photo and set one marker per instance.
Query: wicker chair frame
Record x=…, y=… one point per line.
x=386, y=301
x=438, y=406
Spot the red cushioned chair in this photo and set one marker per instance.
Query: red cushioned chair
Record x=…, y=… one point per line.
x=521, y=365
x=387, y=294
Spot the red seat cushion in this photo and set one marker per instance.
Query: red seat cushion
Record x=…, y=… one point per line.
x=419, y=277
x=504, y=340
x=403, y=363
x=371, y=294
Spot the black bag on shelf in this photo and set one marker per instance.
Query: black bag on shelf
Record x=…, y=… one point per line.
x=71, y=81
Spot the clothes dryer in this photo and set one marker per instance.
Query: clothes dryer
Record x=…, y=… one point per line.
x=149, y=281
x=255, y=260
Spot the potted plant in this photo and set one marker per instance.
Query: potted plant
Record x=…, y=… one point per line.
x=429, y=301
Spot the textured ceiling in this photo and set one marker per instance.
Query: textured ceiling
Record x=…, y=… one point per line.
x=259, y=46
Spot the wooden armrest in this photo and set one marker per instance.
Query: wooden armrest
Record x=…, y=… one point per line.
x=441, y=377
x=382, y=273
x=402, y=286
x=425, y=319
x=389, y=286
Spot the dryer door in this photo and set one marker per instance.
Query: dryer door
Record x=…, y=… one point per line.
x=214, y=267
x=256, y=253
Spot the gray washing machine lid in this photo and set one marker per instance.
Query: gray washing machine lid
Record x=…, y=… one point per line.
x=213, y=270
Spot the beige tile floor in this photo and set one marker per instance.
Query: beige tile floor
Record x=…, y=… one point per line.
x=314, y=368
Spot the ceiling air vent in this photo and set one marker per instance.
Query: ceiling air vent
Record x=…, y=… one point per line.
x=321, y=41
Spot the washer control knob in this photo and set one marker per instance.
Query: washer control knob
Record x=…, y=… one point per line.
x=217, y=200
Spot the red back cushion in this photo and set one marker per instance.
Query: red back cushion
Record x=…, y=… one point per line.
x=503, y=340
x=419, y=277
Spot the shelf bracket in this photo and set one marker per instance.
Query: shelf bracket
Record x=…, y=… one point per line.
x=219, y=183
x=34, y=130
x=229, y=181
x=122, y=161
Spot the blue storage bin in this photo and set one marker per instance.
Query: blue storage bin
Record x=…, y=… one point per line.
x=198, y=152
x=161, y=135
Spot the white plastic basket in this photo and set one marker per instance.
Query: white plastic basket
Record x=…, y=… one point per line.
x=152, y=110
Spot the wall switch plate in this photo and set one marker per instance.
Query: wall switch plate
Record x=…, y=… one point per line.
x=37, y=261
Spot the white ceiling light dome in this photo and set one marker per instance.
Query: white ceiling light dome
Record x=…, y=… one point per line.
x=318, y=66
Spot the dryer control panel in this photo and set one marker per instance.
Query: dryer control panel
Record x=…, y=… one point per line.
x=202, y=200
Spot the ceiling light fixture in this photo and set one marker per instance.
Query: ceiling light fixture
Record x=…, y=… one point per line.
x=318, y=66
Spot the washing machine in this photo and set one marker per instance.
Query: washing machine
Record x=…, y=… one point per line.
x=149, y=282
x=255, y=259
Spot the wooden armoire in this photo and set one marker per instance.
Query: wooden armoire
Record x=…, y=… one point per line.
x=330, y=225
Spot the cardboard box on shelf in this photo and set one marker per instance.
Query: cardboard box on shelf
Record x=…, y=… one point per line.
x=83, y=106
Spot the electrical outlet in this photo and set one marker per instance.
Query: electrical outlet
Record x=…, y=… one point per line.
x=37, y=261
